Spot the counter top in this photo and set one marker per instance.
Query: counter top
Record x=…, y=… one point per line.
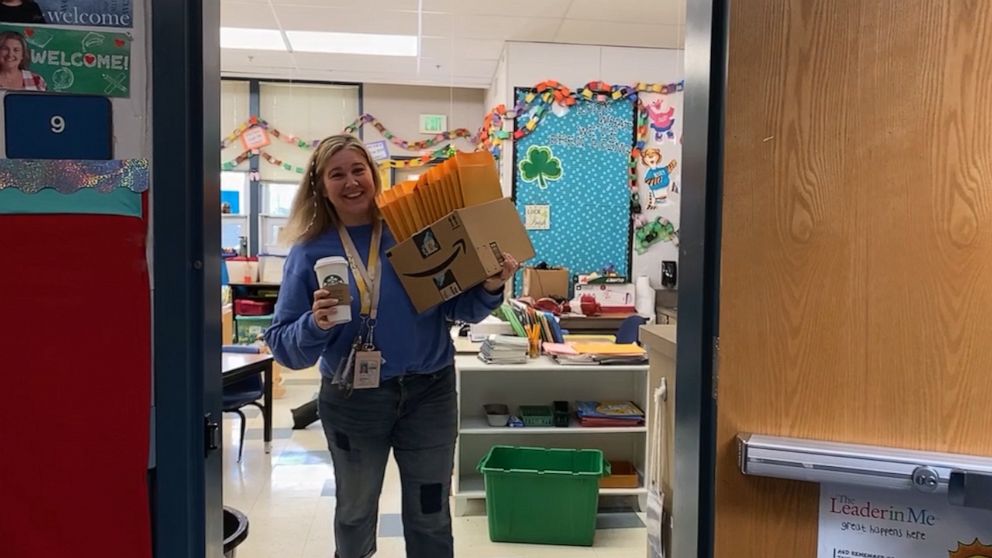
x=660, y=338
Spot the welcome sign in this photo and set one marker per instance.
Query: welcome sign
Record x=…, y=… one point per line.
x=90, y=13
x=69, y=61
x=869, y=523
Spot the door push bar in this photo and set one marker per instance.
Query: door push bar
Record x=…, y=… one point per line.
x=966, y=479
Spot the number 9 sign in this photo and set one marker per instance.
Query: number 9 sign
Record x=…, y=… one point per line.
x=58, y=124
x=68, y=127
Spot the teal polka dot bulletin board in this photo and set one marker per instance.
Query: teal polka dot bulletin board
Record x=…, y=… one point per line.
x=571, y=186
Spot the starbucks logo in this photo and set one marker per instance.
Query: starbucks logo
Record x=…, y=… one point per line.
x=333, y=280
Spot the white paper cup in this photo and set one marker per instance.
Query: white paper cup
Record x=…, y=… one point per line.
x=332, y=276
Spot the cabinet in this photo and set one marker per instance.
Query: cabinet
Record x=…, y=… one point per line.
x=539, y=382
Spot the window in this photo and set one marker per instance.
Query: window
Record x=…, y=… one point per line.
x=277, y=199
x=235, y=209
x=308, y=111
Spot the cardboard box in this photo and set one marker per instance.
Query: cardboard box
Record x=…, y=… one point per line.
x=612, y=297
x=545, y=283
x=459, y=252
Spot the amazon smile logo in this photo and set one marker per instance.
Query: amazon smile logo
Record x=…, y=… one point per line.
x=459, y=248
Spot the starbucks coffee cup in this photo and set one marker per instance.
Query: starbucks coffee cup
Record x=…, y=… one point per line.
x=332, y=276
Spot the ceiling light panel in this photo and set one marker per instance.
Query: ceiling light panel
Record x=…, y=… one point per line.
x=353, y=43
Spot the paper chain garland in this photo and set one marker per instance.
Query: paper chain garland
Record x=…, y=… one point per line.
x=491, y=136
x=350, y=129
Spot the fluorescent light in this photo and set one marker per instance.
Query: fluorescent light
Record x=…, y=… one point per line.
x=252, y=39
x=353, y=43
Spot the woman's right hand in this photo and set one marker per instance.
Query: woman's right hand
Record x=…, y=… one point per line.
x=324, y=309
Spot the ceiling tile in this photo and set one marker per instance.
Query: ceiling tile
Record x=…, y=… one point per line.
x=381, y=5
x=463, y=48
x=244, y=14
x=506, y=28
x=630, y=11
x=347, y=21
x=538, y=8
x=618, y=34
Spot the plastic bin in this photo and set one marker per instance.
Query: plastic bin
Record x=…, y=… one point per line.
x=244, y=307
x=623, y=474
x=235, y=531
x=542, y=496
x=536, y=415
x=249, y=328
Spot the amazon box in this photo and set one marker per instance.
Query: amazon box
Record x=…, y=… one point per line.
x=545, y=283
x=459, y=252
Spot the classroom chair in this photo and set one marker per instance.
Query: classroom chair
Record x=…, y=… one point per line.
x=628, y=332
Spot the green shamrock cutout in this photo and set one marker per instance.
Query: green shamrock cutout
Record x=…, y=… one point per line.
x=540, y=166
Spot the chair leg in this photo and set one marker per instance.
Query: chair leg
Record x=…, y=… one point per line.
x=241, y=446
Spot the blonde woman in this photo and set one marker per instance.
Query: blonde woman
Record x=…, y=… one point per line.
x=413, y=410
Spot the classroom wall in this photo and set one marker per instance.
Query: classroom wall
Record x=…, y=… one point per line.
x=399, y=107
x=526, y=64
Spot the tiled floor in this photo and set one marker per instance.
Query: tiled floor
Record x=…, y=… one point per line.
x=288, y=497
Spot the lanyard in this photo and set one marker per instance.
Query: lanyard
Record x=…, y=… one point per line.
x=367, y=279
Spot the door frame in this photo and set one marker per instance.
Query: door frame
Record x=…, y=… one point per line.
x=186, y=481
x=697, y=375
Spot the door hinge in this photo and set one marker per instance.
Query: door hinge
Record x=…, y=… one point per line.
x=211, y=435
x=716, y=367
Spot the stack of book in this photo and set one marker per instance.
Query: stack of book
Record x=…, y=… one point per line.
x=503, y=349
x=609, y=413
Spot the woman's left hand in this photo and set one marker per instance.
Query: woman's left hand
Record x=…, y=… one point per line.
x=496, y=282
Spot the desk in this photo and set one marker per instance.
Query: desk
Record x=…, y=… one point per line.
x=238, y=366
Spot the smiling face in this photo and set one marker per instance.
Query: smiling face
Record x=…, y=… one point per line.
x=11, y=54
x=350, y=185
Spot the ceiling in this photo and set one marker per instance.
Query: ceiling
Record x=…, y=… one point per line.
x=461, y=40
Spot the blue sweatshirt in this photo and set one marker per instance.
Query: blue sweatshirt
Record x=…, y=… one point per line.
x=410, y=343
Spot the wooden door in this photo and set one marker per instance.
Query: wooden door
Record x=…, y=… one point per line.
x=856, y=295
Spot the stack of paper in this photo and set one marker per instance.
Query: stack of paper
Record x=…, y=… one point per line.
x=464, y=180
x=609, y=413
x=611, y=353
x=503, y=349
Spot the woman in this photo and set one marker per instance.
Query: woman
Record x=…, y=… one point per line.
x=21, y=11
x=15, y=57
x=413, y=410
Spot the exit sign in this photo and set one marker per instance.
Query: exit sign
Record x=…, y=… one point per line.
x=433, y=123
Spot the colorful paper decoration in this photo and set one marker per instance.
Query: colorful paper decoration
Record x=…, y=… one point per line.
x=528, y=113
x=33, y=175
x=255, y=138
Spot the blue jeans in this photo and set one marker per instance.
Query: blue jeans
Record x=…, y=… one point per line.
x=416, y=416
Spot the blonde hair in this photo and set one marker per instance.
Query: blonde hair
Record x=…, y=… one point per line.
x=312, y=213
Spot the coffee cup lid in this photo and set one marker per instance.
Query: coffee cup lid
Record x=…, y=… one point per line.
x=330, y=260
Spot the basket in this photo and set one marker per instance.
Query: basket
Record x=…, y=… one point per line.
x=623, y=474
x=542, y=496
x=536, y=415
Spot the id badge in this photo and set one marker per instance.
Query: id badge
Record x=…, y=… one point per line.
x=367, y=369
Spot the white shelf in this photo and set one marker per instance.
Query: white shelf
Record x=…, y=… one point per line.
x=479, y=425
x=471, y=363
x=473, y=487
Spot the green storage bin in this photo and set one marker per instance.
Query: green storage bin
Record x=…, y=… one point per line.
x=248, y=328
x=543, y=496
x=536, y=415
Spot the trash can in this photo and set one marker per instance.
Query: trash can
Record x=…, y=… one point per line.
x=543, y=496
x=235, y=531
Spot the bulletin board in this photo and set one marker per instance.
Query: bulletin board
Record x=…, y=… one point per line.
x=571, y=185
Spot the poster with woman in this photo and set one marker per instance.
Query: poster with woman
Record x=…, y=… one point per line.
x=64, y=61
x=90, y=13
